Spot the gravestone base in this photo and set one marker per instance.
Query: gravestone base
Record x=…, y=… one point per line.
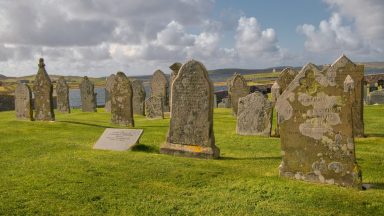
x=194, y=151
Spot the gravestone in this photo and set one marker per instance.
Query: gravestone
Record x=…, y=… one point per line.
x=191, y=126
x=221, y=105
x=376, y=97
x=284, y=79
x=23, y=102
x=88, y=95
x=154, y=108
x=42, y=89
x=254, y=116
x=175, y=67
x=118, y=139
x=316, y=131
x=108, y=89
x=159, y=88
x=138, y=101
x=62, y=91
x=121, y=101
x=238, y=89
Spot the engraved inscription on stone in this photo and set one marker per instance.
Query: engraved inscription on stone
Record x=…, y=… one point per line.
x=42, y=89
x=316, y=130
x=118, y=139
x=191, y=125
x=23, y=102
x=154, y=108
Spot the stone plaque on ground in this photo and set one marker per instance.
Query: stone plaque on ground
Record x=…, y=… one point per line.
x=159, y=88
x=108, y=90
x=238, y=89
x=154, y=108
x=42, y=90
x=191, y=126
x=88, y=95
x=316, y=131
x=121, y=101
x=23, y=102
x=138, y=101
x=376, y=97
x=118, y=139
x=254, y=116
x=62, y=91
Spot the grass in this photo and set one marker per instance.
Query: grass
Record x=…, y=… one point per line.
x=50, y=168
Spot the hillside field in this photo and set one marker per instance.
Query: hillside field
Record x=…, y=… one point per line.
x=50, y=168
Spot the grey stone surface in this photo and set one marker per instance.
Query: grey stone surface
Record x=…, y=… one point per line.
x=376, y=97
x=238, y=88
x=121, y=101
x=138, y=101
x=191, y=126
x=23, y=102
x=154, y=108
x=118, y=139
x=88, y=95
x=42, y=90
x=62, y=91
x=175, y=67
x=254, y=116
x=159, y=88
x=316, y=130
x=108, y=90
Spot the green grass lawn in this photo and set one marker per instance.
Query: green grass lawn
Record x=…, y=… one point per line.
x=51, y=168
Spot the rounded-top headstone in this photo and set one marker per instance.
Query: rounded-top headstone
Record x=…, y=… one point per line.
x=23, y=102
x=62, y=91
x=159, y=88
x=121, y=101
x=88, y=96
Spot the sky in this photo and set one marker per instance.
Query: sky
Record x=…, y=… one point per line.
x=97, y=37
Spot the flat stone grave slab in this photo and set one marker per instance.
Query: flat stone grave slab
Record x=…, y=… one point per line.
x=118, y=139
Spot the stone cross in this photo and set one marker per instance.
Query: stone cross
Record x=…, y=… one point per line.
x=191, y=126
x=42, y=89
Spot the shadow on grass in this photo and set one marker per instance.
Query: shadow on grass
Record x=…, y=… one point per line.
x=87, y=124
x=374, y=135
x=369, y=185
x=251, y=158
x=145, y=148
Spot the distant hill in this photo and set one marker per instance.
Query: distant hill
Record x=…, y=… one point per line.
x=2, y=77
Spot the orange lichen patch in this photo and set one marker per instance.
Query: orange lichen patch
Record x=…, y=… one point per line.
x=194, y=148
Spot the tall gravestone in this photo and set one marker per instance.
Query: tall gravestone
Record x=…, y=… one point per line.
x=88, y=95
x=238, y=88
x=62, y=91
x=42, y=89
x=284, y=79
x=108, y=90
x=159, y=88
x=138, y=101
x=254, y=116
x=121, y=101
x=154, y=108
x=23, y=102
x=191, y=126
x=316, y=129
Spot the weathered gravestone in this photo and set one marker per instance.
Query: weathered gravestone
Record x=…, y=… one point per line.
x=238, y=88
x=316, y=129
x=254, y=115
x=121, y=101
x=62, y=91
x=138, y=101
x=285, y=78
x=376, y=97
x=159, y=88
x=108, y=90
x=88, y=95
x=175, y=67
x=154, y=108
x=23, y=102
x=118, y=139
x=42, y=89
x=191, y=126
